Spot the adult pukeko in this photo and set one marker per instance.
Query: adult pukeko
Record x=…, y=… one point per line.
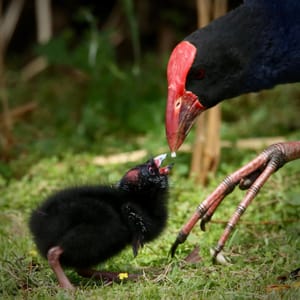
x=80, y=227
x=254, y=47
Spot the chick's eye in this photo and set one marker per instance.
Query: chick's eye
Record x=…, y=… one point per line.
x=151, y=171
x=200, y=74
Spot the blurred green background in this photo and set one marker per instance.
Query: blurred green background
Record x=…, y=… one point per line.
x=104, y=88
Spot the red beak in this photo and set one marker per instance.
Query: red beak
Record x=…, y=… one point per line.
x=183, y=106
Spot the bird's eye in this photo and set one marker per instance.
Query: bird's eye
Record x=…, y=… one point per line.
x=200, y=74
x=151, y=170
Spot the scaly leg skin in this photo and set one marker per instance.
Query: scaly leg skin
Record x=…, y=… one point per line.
x=252, y=177
x=53, y=258
x=107, y=277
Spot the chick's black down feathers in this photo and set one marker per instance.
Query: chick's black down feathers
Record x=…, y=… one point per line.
x=92, y=223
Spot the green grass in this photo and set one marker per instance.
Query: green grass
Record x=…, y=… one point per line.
x=259, y=252
x=107, y=110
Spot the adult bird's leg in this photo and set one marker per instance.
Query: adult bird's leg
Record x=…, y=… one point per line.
x=252, y=177
x=271, y=167
x=53, y=258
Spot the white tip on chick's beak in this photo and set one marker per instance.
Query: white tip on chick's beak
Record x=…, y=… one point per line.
x=159, y=159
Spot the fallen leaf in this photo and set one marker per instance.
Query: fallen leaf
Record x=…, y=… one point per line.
x=194, y=256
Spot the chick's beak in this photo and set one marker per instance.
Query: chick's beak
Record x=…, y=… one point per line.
x=158, y=161
x=166, y=170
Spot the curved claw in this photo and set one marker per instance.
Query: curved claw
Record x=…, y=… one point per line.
x=180, y=239
x=174, y=247
x=206, y=218
x=203, y=224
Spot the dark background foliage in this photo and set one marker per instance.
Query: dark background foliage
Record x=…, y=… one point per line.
x=104, y=87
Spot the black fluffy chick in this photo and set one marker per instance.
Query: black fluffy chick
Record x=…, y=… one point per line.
x=80, y=227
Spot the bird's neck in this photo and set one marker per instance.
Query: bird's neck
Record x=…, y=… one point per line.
x=256, y=46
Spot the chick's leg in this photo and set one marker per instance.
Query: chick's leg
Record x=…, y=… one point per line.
x=53, y=259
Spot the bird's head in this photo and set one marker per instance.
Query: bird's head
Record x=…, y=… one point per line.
x=210, y=65
x=147, y=177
